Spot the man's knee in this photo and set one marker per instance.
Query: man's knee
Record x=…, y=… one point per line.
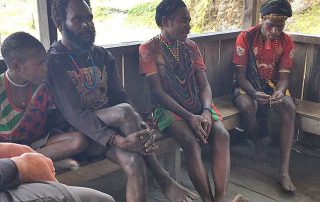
x=78, y=142
x=134, y=165
x=222, y=138
x=246, y=106
x=289, y=105
x=127, y=112
x=287, y=108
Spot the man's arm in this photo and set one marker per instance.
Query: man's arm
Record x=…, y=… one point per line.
x=8, y=150
x=283, y=83
x=242, y=80
x=170, y=104
x=205, y=95
x=9, y=175
x=281, y=87
x=245, y=85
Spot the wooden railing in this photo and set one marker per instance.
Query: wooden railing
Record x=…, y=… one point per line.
x=217, y=50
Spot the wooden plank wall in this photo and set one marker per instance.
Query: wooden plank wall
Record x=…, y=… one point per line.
x=305, y=76
x=217, y=49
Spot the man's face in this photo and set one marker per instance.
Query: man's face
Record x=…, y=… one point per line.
x=272, y=27
x=178, y=25
x=34, y=69
x=79, y=27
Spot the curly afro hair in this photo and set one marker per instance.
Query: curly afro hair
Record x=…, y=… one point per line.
x=59, y=9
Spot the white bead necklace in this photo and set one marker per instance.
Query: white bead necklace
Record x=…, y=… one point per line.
x=14, y=83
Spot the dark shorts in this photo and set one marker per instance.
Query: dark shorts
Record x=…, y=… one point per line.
x=38, y=192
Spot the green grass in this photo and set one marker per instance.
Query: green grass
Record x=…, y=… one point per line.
x=16, y=15
x=143, y=14
x=307, y=22
x=101, y=13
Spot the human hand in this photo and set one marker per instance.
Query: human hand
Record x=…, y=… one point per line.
x=208, y=124
x=34, y=167
x=8, y=150
x=141, y=141
x=262, y=97
x=277, y=97
x=143, y=125
x=196, y=122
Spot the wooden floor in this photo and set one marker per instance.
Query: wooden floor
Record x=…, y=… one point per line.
x=255, y=181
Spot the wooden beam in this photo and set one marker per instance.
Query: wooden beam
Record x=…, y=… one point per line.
x=48, y=31
x=251, y=13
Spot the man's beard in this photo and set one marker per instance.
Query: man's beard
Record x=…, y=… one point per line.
x=76, y=39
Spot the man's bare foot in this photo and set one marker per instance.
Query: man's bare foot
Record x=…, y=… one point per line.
x=66, y=164
x=240, y=198
x=174, y=191
x=286, y=182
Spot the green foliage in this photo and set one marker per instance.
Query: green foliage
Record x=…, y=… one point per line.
x=200, y=16
x=143, y=14
x=101, y=13
x=307, y=22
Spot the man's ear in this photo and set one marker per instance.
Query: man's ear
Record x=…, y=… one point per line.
x=165, y=21
x=16, y=65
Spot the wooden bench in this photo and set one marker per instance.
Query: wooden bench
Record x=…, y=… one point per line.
x=308, y=116
x=103, y=167
x=169, y=150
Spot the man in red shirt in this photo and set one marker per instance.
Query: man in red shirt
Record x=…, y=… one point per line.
x=263, y=59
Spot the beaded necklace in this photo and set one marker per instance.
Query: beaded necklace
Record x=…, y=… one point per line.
x=94, y=84
x=10, y=98
x=14, y=83
x=261, y=53
x=175, y=54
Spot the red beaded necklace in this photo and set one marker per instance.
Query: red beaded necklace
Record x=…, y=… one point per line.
x=261, y=53
x=175, y=53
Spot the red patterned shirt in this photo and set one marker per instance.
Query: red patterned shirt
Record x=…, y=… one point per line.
x=271, y=57
x=23, y=125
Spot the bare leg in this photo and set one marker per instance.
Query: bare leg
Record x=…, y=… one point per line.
x=64, y=145
x=124, y=118
x=61, y=147
x=287, y=112
x=221, y=160
x=134, y=167
x=248, y=110
x=183, y=134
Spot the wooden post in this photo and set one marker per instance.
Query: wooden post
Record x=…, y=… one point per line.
x=48, y=31
x=251, y=13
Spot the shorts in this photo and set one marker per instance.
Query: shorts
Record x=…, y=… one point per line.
x=164, y=118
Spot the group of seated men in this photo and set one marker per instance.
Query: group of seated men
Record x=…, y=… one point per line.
x=70, y=102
